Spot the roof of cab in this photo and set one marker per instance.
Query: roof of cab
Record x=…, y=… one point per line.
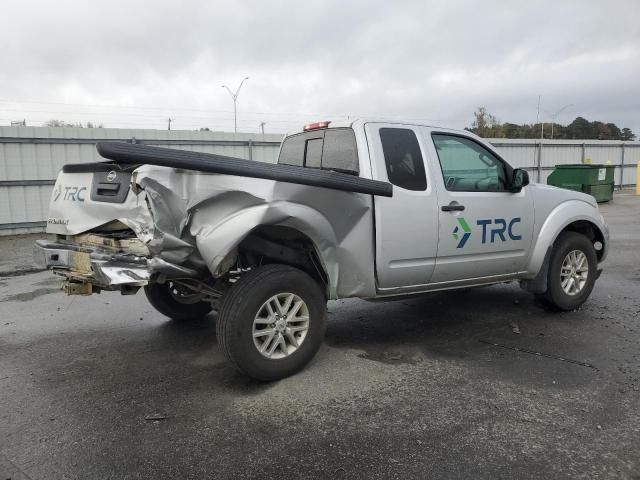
x=350, y=123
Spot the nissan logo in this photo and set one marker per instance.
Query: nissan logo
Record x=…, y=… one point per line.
x=111, y=176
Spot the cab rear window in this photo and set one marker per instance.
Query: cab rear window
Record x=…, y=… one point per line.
x=328, y=149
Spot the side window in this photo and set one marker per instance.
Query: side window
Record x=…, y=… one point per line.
x=467, y=166
x=313, y=154
x=331, y=149
x=292, y=151
x=340, y=152
x=403, y=159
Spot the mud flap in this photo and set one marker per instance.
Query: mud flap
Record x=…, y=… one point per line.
x=538, y=284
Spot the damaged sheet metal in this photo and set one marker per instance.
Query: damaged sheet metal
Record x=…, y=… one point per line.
x=196, y=220
x=103, y=268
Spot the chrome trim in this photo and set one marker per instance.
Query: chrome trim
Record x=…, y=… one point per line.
x=101, y=268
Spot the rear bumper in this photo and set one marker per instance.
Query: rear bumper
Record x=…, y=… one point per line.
x=92, y=265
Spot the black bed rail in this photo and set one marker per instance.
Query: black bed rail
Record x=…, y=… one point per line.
x=126, y=153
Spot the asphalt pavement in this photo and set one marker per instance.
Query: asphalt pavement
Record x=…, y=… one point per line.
x=483, y=384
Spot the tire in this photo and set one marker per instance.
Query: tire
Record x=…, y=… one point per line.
x=166, y=302
x=570, y=243
x=248, y=308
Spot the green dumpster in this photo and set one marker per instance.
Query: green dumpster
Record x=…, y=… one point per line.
x=596, y=180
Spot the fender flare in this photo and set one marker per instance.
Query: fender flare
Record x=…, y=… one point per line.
x=558, y=220
x=216, y=243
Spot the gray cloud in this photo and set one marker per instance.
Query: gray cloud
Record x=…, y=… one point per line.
x=433, y=61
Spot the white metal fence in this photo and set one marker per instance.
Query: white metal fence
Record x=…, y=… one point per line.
x=30, y=158
x=540, y=157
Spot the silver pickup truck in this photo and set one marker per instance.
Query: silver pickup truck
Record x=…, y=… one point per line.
x=358, y=209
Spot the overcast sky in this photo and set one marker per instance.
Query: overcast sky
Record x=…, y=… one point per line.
x=135, y=64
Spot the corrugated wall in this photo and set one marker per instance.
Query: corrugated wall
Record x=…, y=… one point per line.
x=30, y=158
x=541, y=159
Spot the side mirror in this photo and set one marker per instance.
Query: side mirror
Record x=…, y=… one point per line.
x=520, y=179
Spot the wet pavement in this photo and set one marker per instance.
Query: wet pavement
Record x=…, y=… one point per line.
x=441, y=386
x=16, y=254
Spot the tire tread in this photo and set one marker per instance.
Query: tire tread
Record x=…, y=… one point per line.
x=233, y=300
x=568, y=239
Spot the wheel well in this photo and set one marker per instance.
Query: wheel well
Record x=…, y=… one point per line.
x=276, y=244
x=590, y=231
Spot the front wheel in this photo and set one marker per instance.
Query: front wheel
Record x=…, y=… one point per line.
x=572, y=271
x=272, y=321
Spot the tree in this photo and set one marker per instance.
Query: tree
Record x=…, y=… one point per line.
x=627, y=134
x=62, y=123
x=511, y=130
x=579, y=128
x=484, y=123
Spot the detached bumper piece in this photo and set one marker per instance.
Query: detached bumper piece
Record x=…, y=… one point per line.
x=77, y=288
x=89, y=270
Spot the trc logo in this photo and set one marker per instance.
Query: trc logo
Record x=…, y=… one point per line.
x=492, y=229
x=498, y=228
x=75, y=194
x=466, y=232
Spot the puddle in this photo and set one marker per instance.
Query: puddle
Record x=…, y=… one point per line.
x=27, y=296
x=389, y=358
x=53, y=280
x=21, y=272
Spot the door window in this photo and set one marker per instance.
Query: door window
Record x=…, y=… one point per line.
x=403, y=159
x=468, y=166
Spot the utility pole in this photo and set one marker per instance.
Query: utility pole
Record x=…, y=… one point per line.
x=538, y=152
x=262, y=124
x=169, y=126
x=234, y=96
x=538, y=114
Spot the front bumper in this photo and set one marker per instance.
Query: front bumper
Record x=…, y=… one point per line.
x=92, y=265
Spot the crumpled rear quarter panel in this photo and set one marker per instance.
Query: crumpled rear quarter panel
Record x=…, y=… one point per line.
x=198, y=218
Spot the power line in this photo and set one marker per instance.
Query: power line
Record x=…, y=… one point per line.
x=160, y=124
x=305, y=115
x=161, y=108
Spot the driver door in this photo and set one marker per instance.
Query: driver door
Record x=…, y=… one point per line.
x=484, y=229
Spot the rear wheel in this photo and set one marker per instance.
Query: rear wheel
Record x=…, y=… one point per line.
x=272, y=321
x=572, y=271
x=176, y=302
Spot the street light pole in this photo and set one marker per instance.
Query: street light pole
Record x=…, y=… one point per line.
x=234, y=96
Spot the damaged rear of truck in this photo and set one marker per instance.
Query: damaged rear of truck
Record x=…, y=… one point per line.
x=200, y=232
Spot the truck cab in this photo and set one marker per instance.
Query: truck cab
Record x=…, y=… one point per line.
x=460, y=215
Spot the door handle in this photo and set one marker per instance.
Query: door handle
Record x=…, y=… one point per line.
x=453, y=207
